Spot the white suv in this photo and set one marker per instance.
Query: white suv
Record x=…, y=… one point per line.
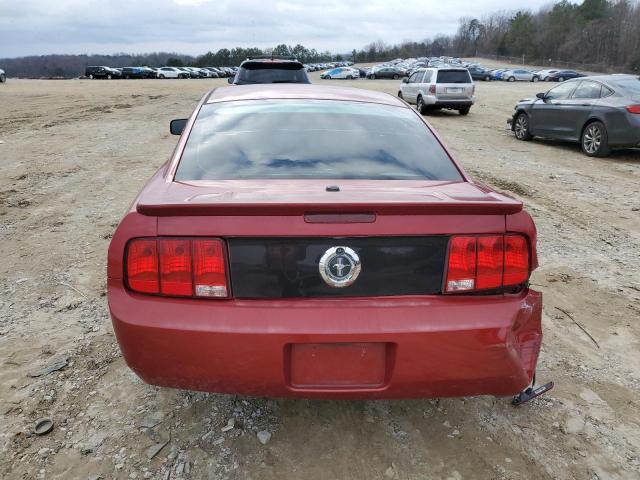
x=436, y=88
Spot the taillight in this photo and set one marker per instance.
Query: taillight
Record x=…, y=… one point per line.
x=209, y=268
x=180, y=267
x=633, y=108
x=432, y=89
x=175, y=267
x=487, y=262
x=461, y=274
x=142, y=266
x=516, y=260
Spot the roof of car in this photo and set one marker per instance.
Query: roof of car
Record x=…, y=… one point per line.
x=608, y=78
x=300, y=91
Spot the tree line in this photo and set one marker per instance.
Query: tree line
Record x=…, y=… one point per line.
x=599, y=34
x=69, y=66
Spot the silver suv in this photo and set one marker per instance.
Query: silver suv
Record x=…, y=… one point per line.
x=436, y=88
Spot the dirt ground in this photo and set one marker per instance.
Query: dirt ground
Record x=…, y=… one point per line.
x=74, y=153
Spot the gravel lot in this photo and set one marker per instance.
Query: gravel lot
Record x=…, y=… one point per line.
x=73, y=155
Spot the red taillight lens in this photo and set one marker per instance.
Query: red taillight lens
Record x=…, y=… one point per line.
x=432, y=89
x=175, y=267
x=183, y=267
x=487, y=262
x=142, y=266
x=516, y=260
x=209, y=274
x=461, y=274
x=490, y=262
x=633, y=108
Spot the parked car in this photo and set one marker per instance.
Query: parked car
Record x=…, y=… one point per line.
x=519, y=75
x=386, y=72
x=102, y=72
x=600, y=112
x=436, y=88
x=172, y=72
x=138, y=72
x=497, y=74
x=479, y=73
x=269, y=70
x=562, y=75
x=544, y=74
x=297, y=252
x=341, y=73
x=3, y=76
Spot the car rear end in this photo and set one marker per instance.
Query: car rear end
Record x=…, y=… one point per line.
x=230, y=279
x=270, y=70
x=623, y=121
x=453, y=89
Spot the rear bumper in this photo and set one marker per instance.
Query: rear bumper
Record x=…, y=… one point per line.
x=383, y=347
x=448, y=103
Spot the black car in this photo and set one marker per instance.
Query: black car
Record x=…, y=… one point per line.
x=270, y=70
x=386, y=72
x=138, y=72
x=600, y=112
x=102, y=72
x=479, y=73
x=562, y=75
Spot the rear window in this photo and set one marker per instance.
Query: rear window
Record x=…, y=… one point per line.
x=292, y=139
x=453, y=76
x=271, y=72
x=630, y=85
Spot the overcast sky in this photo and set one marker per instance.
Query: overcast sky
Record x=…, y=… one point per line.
x=37, y=27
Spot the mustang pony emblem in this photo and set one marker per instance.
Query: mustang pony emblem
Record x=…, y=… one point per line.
x=339, y=266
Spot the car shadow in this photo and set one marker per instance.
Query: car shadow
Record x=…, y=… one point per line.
x=442, y=113
x=628, y=155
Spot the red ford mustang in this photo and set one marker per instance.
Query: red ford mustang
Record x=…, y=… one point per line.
x=308, y=241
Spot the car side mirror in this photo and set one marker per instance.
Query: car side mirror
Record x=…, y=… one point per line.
x=541, y=95
x=231, y=79
x=177, y=126
x=405, y=80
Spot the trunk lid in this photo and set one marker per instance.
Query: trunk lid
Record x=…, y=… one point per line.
x=277, y=232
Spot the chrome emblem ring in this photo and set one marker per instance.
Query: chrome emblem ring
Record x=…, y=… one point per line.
x=339, y=266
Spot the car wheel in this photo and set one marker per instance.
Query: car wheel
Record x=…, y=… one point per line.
x=420, y=106
x=594, y=141
x=521, y=127
x=464, y=110
x=328, y=77
x=395, y=77
x=349, y=77
x=161, y=75
x=91, y=76
x=561, y=79
x=487, y=78
x=109, y=77
x=535, y=79
x=3, y=78
x=400, y=95
x=373, y=76
x=511, y=79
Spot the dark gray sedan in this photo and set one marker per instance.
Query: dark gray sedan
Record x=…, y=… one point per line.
x=600, y=112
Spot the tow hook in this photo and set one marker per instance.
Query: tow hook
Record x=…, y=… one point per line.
x=531, y=393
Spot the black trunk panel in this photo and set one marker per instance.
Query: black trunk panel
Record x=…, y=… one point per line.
x=288, y=267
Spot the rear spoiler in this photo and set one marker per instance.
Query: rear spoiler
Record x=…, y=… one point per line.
x=256, y=197
x=287, y=209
